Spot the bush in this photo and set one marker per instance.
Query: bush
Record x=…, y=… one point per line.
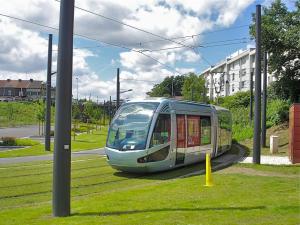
x=241, y=132
x=26, y=142
x=277, y=112
x=240, y=99
x=8, y=141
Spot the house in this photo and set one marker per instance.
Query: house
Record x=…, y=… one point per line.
x=30, y=89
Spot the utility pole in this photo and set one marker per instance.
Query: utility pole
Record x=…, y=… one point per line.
x=77, y=88
x=48, y=96
x=257, y=96
x=109, y=109
x=251, y=95
x=118, y=88
x=264, y=104
x=62, y=144
x=172, y=86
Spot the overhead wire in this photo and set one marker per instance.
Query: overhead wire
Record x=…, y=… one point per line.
x=90, y=38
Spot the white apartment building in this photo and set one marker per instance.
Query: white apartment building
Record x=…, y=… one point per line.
x=232, y=75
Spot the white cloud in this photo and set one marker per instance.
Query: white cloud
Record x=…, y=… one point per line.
x=23, y=47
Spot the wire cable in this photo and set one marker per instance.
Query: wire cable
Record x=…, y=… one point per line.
x=92, y=39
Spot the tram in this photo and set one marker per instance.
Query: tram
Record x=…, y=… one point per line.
x=160, y=134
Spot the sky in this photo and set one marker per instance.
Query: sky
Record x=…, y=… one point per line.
x=173, y=37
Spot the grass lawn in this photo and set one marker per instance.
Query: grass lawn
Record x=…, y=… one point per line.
x=242, y=194
x=282, y=131
x=93, y=140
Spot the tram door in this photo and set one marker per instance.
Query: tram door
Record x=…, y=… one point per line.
x=181, y=139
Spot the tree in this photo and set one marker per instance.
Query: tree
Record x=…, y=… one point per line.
x=281, y=38
x=194, y=88
x=164, y=89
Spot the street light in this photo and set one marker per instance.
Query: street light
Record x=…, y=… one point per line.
x=121, y=92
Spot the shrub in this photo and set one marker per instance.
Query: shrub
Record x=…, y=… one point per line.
x=241, y=132
x=240, y=99
x=26, y=142
x=277, y=112
x=8, y=141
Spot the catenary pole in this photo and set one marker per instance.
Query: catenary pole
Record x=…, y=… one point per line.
x=251, y=95
x=257, y=96
x=118, y=88
x=264, y=103
x=62, y=144
x=109, y=109
x=48, y=96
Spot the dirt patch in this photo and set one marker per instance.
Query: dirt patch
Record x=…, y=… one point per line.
x=253, y=172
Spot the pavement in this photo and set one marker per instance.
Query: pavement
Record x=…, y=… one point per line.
x=270, y=160
x=25, y=159
x=19, y=132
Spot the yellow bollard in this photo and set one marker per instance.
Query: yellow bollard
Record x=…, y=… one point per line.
x=208, y=177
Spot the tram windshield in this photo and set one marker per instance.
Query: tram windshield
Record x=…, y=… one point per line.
x=129, y=128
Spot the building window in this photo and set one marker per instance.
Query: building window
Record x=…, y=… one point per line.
x=232, y=88
x=205, y=130
x=162, y=130
x=193, y=135
x=243, y=72
x=243, y=84
x=233, y=76
x=9, y=92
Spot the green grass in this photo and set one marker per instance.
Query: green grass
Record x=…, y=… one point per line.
x=19, y=113
x=101, y=195
x=283, y=133
x=93, y=140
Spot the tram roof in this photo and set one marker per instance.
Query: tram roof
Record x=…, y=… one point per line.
x=165, y=100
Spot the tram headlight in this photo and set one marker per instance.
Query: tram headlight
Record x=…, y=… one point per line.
x=155, y=156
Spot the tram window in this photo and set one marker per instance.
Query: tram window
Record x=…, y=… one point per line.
x=193, y=123
x=205, y=130
x=162, y=130
x=180, y=131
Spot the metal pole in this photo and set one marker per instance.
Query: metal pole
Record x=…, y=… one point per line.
x=251, y=95
x=109, y=109
x=264, y=105
x=48, y=96
x=118, y=88
x=172, y=86
x=104, y=110
x=62, y=144
x=77, y=88
x=257, y=96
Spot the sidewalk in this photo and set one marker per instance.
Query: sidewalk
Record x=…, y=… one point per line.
x=270, y=160
x=24, y=159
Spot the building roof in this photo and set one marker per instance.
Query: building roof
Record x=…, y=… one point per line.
x=32, y=84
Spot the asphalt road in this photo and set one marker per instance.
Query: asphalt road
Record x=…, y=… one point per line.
x=19, y=132
x=24, y=159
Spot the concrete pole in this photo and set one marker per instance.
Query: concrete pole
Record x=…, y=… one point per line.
x=257, y=97
x=118, y=88
x=48, y=96
x=62, y=144
x=264, y=104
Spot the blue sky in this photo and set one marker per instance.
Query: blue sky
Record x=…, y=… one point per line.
x=24, y=46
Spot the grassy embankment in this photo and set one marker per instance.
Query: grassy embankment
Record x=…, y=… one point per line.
x=84, y=141
x=14, y=114
x=242, y=194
